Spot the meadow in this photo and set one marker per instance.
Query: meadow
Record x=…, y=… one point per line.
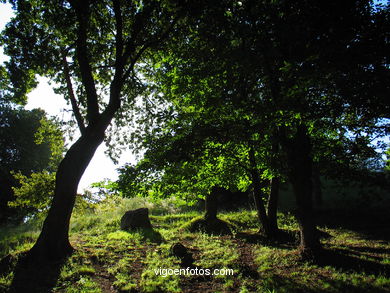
x=356, y=256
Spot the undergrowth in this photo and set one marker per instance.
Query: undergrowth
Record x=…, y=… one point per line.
x=128, y=261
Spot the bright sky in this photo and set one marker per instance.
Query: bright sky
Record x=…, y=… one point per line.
x=43, y=97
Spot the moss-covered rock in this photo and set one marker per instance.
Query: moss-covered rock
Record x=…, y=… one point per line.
x=210, y=226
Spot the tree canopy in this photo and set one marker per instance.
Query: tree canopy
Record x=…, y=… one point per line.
x=221, y=92
x=93, y=51
x=310, y=77
x=30, y=142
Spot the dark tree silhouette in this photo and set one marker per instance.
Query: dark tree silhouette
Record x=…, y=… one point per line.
x=91, y=49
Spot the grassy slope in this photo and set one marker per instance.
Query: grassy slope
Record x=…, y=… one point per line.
x=109, y=260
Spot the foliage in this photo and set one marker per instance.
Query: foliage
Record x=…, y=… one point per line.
x=50, y=133
x=235, y=82
x=88, y=51
x=274, y=69
x=104, y=188
x=30, y=142
x=93, y=52
x=387, y=167
x=34, y=193
x=189, y=179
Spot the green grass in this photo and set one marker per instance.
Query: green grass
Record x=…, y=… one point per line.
x=127, y=261
x=14, y=239
x=156, y=259
x=347, y=269
x=215, y=252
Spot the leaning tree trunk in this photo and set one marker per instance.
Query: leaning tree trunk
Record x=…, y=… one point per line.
x=272, y=207
x=258, y=195
x=300, y=162
x=211, y=204
x=53, y=242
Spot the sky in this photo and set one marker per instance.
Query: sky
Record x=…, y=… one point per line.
x=43, y=97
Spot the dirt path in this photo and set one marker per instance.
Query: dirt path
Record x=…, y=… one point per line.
x=245, y=270
x=104, y=280
x=247, y=266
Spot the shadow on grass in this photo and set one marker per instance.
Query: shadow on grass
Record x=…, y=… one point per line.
x=283, y=238
x=363, y=249
x=353, y=275
x=285, y=283
x=35, y=277
x=342, y=259
x=151, y=235
x=371, y=224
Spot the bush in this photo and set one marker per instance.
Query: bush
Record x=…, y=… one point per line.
x=34, y=194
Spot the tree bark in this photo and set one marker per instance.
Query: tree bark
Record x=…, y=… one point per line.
x=211, y=204
x=298, y=151
x=258, y=195
x=53, y=242
x=272, y=207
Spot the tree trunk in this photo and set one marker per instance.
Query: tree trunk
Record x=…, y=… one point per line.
x=300, y=162
x=317, y=192
x=261, y=212
x=53, y=242
x=258, y=195
x=211, y=204
x=272, y=207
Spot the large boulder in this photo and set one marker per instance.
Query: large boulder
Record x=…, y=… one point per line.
x=136, y=219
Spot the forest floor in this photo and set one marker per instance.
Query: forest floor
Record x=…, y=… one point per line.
x=356, y=255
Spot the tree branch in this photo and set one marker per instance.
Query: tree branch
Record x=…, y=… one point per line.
x=75, y=107
x=119, y=33
x=139, y=23
x=82, y=12
x=120, y=61
x=117, y=81
x=147, y=45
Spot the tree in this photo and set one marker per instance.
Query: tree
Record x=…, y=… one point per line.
x=199, y=150
x=207, y=79
x=34, y=193
x=92, y=51
x=29, y=143
x=297, y=71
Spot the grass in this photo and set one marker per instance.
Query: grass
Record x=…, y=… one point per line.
x=156, y=259
x=109, y=260
x=344, y=268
